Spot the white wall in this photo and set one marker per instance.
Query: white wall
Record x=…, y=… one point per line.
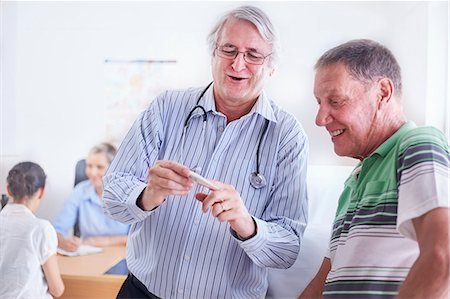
x=53, y=83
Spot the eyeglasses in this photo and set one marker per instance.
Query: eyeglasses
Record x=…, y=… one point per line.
x=231, y=52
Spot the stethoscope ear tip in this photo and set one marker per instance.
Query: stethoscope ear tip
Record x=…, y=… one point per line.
x=257, y=180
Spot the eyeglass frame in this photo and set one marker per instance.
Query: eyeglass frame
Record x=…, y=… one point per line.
x=244, y=53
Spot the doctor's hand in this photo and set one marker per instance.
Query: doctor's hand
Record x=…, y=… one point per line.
x=226, y=205
x=70, y=244
x=164, y=178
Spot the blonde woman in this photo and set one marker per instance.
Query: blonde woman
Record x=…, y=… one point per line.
x=85, y=206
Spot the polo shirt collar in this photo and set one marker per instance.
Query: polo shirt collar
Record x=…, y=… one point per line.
x=386, y=147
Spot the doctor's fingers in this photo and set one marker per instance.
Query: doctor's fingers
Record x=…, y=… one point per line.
x=229, y=211
x=230, y=198
x=160, y=173
x=169, y=186
x=173, y=166
x=167, y=192
x=229, y=215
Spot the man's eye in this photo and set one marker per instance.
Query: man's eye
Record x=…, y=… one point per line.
x=254, y=55
x=335, y=102
x=229, y=51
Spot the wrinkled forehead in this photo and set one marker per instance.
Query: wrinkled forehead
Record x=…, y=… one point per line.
x=330, y=76
x=242, y=33
x=334, y=79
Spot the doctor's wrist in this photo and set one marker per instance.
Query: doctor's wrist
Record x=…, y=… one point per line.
x=143, y=201
x=248, y=237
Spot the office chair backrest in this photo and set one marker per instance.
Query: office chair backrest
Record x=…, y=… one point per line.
x=80, y=175
x=80, y=172
x=4, y=201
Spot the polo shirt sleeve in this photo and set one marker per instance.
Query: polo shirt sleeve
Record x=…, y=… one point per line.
x=423, y=176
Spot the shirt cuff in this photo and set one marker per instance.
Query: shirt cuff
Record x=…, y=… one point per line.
x=257, y=241
x=132, y=205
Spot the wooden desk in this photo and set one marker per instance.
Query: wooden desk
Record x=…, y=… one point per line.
x=84, y=277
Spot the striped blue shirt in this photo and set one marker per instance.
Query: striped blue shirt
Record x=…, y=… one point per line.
x=176, y=250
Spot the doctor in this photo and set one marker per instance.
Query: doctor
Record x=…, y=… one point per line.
x=187, y=241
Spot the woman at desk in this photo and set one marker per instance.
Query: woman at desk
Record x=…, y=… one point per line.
x=84, y=206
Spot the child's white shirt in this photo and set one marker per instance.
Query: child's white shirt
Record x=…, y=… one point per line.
x=26, y=242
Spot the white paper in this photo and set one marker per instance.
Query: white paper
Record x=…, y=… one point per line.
x=82, y=250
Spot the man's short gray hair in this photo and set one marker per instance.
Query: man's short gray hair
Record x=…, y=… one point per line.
x=255, y=16
x=365, y=60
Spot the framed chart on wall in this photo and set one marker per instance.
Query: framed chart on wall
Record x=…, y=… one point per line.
x=131, y=85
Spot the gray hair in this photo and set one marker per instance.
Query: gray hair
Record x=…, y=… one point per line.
x=104, y=148
x=255, y=16
x=365, y=60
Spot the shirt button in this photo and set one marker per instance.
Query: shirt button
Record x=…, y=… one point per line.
x=220, y=129
x=180, y=291
x=187, y=257
x=196, y=222
x=196, y=169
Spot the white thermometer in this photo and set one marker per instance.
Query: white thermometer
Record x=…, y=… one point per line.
x=195, y=177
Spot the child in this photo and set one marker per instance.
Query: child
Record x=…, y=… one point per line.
x=28, y=264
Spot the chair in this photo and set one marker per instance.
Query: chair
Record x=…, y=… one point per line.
x=80, y=175
x=4, y=201
x=80, y=172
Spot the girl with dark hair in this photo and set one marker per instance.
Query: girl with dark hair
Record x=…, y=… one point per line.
x=28, y=264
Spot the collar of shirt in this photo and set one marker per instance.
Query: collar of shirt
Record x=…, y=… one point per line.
x=17, y=209
x=88, y=193
x=262, y=106
x=385, y=148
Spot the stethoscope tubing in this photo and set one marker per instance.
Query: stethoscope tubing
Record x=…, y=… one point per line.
x=257, y=180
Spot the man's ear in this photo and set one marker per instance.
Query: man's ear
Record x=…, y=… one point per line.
x=40, y=193
x=385, y=91
x=8, y=190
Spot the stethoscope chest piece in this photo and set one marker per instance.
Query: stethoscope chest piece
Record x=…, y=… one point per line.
x=257, y=180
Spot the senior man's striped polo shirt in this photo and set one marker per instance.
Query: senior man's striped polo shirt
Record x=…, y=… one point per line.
x=407, y=176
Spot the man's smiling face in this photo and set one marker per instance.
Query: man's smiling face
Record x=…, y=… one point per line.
x=236, y=80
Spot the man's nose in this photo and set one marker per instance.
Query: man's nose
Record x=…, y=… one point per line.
x=323, y=116
x=239, y=62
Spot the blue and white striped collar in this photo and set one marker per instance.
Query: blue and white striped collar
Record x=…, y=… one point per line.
x=262, y=105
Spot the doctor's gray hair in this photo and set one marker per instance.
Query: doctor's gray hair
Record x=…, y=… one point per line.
x=365, y=60
x=255, y=16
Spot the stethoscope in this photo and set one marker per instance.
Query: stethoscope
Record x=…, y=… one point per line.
x=257, y=179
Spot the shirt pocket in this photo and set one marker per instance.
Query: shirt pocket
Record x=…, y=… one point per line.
x=378, y=204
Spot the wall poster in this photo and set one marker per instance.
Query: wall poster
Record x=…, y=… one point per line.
x=131, y=85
